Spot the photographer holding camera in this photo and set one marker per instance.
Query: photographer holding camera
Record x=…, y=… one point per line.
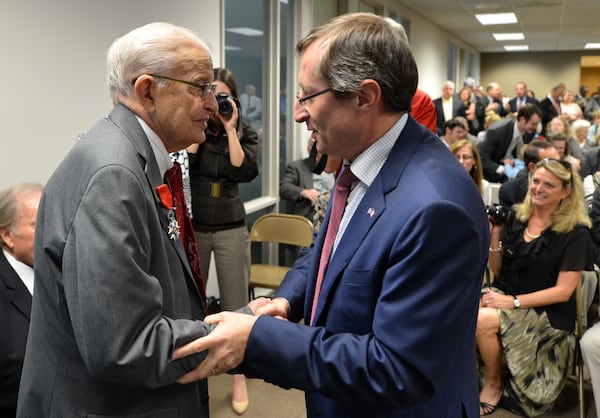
x=226, y=158
x=537, y=254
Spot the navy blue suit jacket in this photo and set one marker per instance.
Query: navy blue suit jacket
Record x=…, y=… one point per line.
x=394, y=332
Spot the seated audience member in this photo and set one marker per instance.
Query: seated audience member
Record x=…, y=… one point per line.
x=514, y=191
x=301, y=185
x=504, y=139
x=562, y=145
x=490, y=119
x=468, y=155
x=590, y=184
x=333, y=166
x=527, y=316
x=454, y=130
x=18, y=212
x=590, y=342
x=569, y=108
x=591, y=162
x=592, y=105
x=581, y=128
x=468, y=134
x=517, y=165
x=562, y=125
x=594, y=131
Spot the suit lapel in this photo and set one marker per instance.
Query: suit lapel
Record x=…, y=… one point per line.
x=14, y=287
x=126, y=121
x=370, y=209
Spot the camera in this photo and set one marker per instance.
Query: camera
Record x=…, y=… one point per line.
x=498, y=214
x=225, y=107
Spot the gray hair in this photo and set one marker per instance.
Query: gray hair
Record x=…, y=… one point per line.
x=8, y=202
x=149, y=49
x=360, y=46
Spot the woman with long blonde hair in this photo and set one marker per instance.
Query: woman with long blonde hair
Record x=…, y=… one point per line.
x=527, y=316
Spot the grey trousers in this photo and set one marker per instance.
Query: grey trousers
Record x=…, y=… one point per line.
x=231, y=249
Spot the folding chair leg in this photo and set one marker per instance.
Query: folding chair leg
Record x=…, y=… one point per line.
x=580, y=387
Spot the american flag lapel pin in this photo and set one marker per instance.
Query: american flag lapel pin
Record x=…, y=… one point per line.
x=371, y=212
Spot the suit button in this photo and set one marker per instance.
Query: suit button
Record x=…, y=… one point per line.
x=204, y=399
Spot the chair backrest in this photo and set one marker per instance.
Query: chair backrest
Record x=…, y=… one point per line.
x=282, y=228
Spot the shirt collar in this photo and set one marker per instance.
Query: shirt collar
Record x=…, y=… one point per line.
x=158, y=148
x=367, y=165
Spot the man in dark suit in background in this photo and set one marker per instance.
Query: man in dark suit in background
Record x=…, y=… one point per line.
x=18, y=213
x=115, y=291
x=388, y=298
x=514, y=191
x=550, y=105
x=503, y=139
x=520, y=99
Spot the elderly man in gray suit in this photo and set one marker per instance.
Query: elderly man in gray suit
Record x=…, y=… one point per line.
x=115, y=293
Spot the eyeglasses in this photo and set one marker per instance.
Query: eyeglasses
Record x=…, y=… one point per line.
x=303, y=100
x=204, y=89
x=564, y=163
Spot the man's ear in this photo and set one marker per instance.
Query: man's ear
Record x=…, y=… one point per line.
x=144, y=91
x=370, y=93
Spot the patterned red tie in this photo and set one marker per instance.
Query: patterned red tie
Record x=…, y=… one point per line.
x=186, y=230
x=340, y=196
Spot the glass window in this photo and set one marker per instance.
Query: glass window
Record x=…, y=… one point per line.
x=244, y=55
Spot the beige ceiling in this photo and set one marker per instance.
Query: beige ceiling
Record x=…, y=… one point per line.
x=548, y=25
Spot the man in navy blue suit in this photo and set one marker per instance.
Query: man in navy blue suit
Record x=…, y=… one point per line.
x=392, y=334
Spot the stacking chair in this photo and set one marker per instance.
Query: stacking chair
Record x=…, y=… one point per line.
x=588, y=281
x=278, y=229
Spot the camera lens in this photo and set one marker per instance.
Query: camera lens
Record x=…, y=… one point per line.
x=225, y=107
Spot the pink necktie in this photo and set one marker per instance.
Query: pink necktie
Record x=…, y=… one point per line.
x=186, y=230
x=340, y=195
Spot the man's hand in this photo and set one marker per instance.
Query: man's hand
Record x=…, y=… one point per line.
x=310, y=194
x=226, y=345
x=278, y=307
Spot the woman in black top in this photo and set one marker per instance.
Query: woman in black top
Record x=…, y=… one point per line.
x=226, y=158
x=528, y=314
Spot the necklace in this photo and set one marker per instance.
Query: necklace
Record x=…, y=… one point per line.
x=530, y=235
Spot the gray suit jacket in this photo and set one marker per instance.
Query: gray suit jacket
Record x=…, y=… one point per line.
x=114, y=295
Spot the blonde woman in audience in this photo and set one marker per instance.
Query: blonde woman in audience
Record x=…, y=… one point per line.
x=569, y=108
x=527, y=317
x=468, y=155
x=490, y=119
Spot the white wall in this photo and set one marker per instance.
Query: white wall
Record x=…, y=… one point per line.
x=53, y=71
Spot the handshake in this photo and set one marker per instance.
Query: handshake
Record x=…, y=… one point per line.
x=226, y=344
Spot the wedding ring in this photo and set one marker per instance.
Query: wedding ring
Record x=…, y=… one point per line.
x=212, y=371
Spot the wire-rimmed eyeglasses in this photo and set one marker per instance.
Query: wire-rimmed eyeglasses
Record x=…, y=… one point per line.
x=302, y=100
x=204, y=89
